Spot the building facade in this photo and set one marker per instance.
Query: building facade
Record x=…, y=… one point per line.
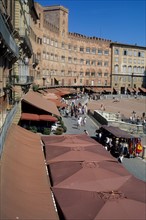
x=69, y=59
x=15, y=51
x=128, y=67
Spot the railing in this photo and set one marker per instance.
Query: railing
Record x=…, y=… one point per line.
x=20, y=80
x=6, y=125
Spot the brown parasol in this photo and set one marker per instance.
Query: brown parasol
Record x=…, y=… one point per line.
x=76, y=152
x=124, y=199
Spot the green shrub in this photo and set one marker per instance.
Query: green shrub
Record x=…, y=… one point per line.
x=46, y=131
x=33, y=129
x=35, y=87
x=64, y=128
x=59, y=131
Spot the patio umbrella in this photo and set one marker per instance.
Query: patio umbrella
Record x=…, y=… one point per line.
x=74, y=152
x=90, y=175
x=68, y=139
x=125, y=201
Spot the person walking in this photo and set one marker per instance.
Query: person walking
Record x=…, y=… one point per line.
x=84, y=121
x=86, y=132
x=78, y=122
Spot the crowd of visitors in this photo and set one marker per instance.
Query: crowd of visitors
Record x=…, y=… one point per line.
x=120, y=147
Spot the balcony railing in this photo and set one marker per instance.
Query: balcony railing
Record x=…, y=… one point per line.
x=20, y=80
x=8, y=38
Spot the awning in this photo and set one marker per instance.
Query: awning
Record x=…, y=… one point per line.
x=29, y=117
x=136, y=89
x=47, y=118
x=130, y=89
x=35, y=117
x=59, y=104
x=24, y=186
x=116, y=89
x=108, y=89
x=142, y=89
x=117, y=132
x=35, y=99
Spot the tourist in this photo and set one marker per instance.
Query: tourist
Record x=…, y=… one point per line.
x=86, y=132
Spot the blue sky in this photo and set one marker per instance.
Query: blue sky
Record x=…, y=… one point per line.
x=123, y=21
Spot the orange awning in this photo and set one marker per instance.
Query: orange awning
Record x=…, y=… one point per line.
x=35, y=117
x=48, y=118
x=35, y=99
x=142, y=89
x=130, y=89
x=30, y=117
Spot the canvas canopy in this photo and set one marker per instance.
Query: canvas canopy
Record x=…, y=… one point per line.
x=117, y=132
x=24, y=187
x=34, y=99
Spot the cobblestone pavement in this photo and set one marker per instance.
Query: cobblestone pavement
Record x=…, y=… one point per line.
x=136, y=166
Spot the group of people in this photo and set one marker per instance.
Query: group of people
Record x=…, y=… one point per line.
x=74, y=110
x=81, y=121
x=120, y=147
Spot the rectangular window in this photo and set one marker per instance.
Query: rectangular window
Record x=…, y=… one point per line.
x=52, y=42
x=63, y=58
x=93, y=62
x=106, y=52
x=56, y=44
x=105, y=63
x=75, y=60
x=81, y=74
x=87, y=62
x=99, y=74
x=44, y=40
x=87, y=50
x=125, y=52
x=130, y=52
x=142, y=54
x=81, y=49
x=99, y=63
x=81, y=61
x=69, y=46
x=48, y=40
x=135, y=53
x=44, y=54
x=87, y=74
x=52, y=56
x=106, y=74
x=63, y=45
x=93, y=74
x=116, y=51
x=69, y=59
x=75, y=48
x=129, y=60
x=124, y=60
x=99, y=51
x=94, y=50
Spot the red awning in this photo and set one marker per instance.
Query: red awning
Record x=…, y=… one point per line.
x=48, y=118
x=130, y=89
x=142, y=89
x=35, y=117
x=29, y=116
